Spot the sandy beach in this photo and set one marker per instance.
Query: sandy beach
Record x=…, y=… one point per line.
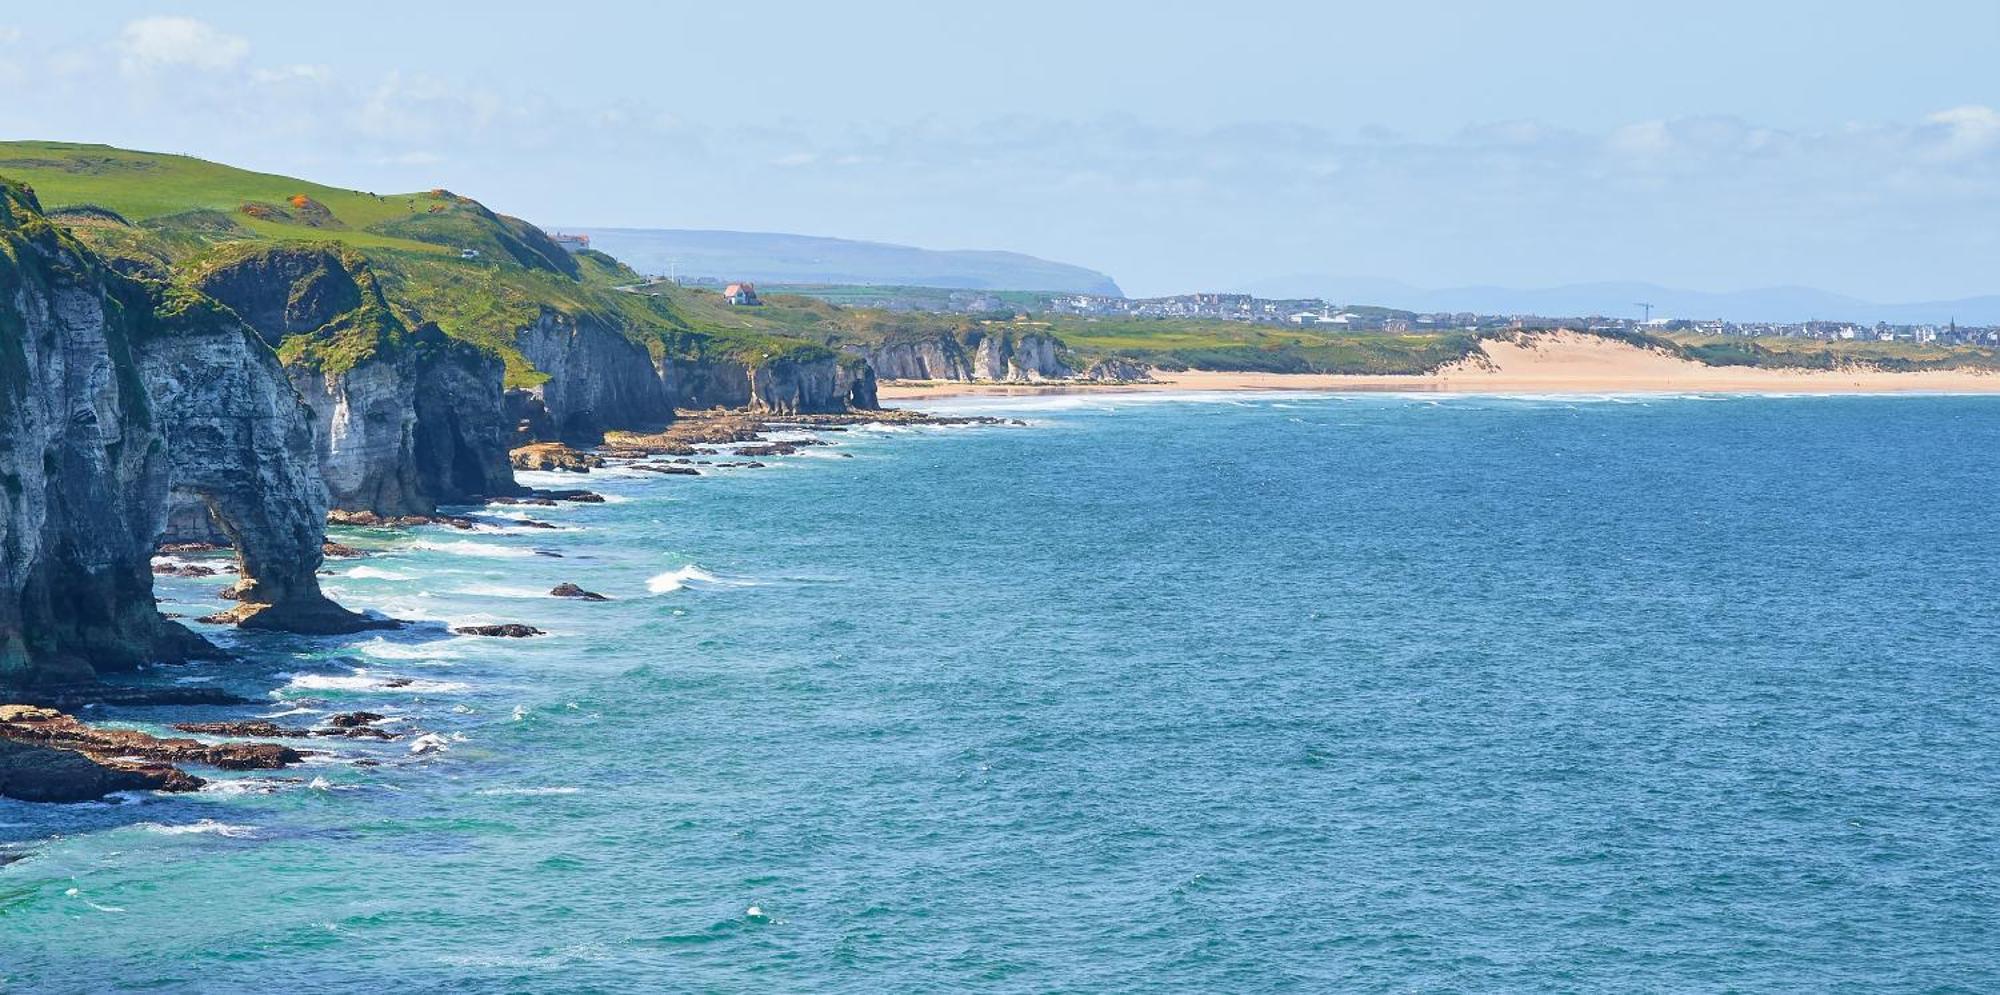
x=1559, y=363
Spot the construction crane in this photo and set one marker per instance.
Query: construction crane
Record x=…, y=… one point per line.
x=1649, y=311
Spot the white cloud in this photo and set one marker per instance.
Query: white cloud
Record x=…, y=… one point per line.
x=151, y=43
x=9, y=35
x=1965, y=131
x=292, y=73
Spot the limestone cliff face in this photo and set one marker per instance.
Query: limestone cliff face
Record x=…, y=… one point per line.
x=975, y=355
x=239, y=440
x=405, y=418
x=784, y=385
x=938, y=357
x=1119, y=369
x=597, y=378
x=113, y=395
x=1017, y=358
x=83, y=473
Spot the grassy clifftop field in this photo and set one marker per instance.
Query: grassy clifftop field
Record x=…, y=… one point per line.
x=476, y=273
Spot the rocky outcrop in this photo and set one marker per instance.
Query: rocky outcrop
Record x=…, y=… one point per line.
x=597, y=378
x=555, y=457
x=1016, y=358
x=405, y=417
x=1118, y=369
x=816, y=381
x=526, y=417
x=938, y=357
x=970, y=354
x=506, y=630
x=240, y=442
x=47, y=756
x=32, y=773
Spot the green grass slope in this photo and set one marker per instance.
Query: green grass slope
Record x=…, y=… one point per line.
x=174, y=215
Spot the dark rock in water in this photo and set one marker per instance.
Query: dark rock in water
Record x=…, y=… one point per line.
x=186, y=570
x=541, y=501
x=529, y=523
x=578, y=496
x=74, y=696
x=369, y=519
x=359, y=732
x=679, y=471
x=189, y=547
x=548, y=552
x=511, y=630
x=398, y=682
x=46, y=774
x=339, y=551
x=554, y=456
x=256, y=728
x=46, y=755
x=348, y=720
x=770, y=449
x=568, y=590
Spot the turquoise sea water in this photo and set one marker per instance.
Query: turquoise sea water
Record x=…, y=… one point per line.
x=1252, y=693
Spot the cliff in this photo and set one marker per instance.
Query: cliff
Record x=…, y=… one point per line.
x=936, y=357
x=83, y=473
x=970, y=354
x=1017, y=357
x=816, y=382
x=113, y=395
x=406, y=418
x=240, y=441
x=597, y=379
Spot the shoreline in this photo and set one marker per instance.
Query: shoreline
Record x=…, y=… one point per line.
x=1208, y=381
x=1557, y=363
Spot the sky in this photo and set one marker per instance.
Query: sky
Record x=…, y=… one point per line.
x=1176, y=146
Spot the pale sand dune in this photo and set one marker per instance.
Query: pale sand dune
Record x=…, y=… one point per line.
x=1548, y=363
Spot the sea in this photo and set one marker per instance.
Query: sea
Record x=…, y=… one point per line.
x=1146, y=693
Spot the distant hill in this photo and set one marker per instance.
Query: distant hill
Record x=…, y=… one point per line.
x=1765, y=304
x=770, y=257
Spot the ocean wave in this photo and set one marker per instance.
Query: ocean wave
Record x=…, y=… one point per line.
x=77, y=893
x=363, y=681
x=468, y=548
x=527, y=792
x=501, y=591
x=204, y=827
x=375, y=573
x=249, y=786
x=429, y=742
x=692, y=576
x=383, y=649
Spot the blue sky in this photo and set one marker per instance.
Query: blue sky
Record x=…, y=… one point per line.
x=1176, y=146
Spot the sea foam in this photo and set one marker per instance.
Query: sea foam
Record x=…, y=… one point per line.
x=464, y=548
x=691, y=576
x=363, y=681
x=204, y=827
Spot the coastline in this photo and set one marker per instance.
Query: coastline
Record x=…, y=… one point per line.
x=1562, y=363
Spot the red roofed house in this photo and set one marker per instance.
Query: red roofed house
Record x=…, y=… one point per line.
x=741, y=294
